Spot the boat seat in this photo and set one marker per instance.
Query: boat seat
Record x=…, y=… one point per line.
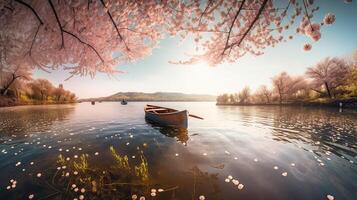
x=155, y=109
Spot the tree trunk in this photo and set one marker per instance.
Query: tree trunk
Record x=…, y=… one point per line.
x=4, y=91
x=328, y=90
x=267, y=98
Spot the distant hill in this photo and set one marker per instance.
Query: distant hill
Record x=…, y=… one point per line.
x=157, y=96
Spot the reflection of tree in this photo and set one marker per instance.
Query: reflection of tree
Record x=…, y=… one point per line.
x=23, y=121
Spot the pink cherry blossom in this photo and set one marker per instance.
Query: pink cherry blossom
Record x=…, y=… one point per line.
x=329, y=19
x=87, y=37
x=307, y=47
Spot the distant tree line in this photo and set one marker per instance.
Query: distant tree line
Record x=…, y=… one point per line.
x=328, y=80
x=23, y=88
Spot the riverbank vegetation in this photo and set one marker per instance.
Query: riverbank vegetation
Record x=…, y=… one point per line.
x=21, y=89
x=328, y=82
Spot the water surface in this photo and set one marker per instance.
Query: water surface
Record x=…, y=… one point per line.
x=109, y=151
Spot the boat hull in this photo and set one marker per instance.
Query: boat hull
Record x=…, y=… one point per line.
x=174, y=119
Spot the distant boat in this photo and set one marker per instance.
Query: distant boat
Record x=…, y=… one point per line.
x=167, y=116
x=123, y=102
x=93, y=102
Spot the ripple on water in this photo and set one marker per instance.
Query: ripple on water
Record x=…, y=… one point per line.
x=110, y=150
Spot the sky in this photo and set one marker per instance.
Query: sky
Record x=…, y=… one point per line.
x=155, y=73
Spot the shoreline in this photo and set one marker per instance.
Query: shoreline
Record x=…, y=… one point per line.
x=147, y=101
x=349, y=104
x=35, y=104
x=10, y=102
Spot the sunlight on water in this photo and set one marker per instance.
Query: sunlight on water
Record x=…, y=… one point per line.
x=109, y=151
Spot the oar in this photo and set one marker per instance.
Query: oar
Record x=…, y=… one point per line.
x=195, y=116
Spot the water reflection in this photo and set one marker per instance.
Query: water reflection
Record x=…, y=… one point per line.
x=323, y=128
x=181, y=134
x=109, y=151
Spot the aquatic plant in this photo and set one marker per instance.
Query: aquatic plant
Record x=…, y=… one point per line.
x=82, y=165
x=142, y=170
x=121, y=161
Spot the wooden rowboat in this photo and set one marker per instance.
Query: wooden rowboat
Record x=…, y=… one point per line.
x=167, y=116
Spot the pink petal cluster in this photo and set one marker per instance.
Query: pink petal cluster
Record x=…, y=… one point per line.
x=310, y=30
x=307, y=47
x=329, y=19
x=86, y=37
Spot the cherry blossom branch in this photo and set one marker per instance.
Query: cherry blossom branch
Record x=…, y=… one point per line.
x=88, y=3
x=32, y=9
x=286, y=9
x=34, y=38
x=58, y=22
x=38, y=18
x=252, y=24
x=307, y=15
x=202, y=30
x=115, y=26
x=133, y=30
x=9, y=8
x=231, y=27
x=267, y=10
x=81, y=41
x=204, y=12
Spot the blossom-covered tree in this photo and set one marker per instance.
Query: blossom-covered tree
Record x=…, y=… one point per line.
x=286, y=86
x=89, y=36
x=328, y=73
x=244, y=95
x=263, y=94
x=223, y=99
x=10, y=74
x=43, y=87
x=226, y=30
x=351, y=79
x=59, y=92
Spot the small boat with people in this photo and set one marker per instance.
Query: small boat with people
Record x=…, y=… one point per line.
x=123, y=102
x=167, y=116
x=93, y=102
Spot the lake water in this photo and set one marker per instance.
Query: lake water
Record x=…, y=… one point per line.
x=109, y=151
